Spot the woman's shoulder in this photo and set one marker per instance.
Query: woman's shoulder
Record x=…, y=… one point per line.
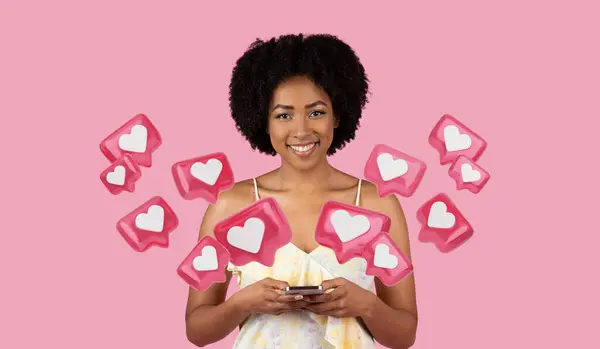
x=368, y=190
x=234, y=199
x=242, y=191
x=371, y=199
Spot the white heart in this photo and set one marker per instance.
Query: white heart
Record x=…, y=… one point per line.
x=383, y=257
x=207, y=259
x=390, y=168
x=249, y=237
x=134, y=141
x=153, y=220
x=347, y=227
x=117, y=176
x=209, y=172
x=469, y=174
x=438, y=217
x=455, y=140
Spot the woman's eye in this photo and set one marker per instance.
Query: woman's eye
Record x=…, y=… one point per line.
x=317, y=113
x=282, y=116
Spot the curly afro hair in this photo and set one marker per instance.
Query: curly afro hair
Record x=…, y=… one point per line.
x=326, y=60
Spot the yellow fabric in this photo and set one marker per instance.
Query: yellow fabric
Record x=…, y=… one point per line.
x=303, y=329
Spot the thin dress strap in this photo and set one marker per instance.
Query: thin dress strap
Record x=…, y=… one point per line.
x=255, y=189
x=358, y=193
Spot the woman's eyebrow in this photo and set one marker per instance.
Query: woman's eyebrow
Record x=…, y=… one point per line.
x=313, y=104
x=310, y=105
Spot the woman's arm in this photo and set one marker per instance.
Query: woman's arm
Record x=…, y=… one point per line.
x=209, y=322
x=209, y=317
x=392, y=317
x=392, y=327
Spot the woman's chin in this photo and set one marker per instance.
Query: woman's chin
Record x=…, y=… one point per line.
x=304, y=163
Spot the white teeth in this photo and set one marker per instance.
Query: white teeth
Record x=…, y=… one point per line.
x=303, y=148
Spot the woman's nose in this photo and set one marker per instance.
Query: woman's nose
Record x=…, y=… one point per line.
x=302, y=127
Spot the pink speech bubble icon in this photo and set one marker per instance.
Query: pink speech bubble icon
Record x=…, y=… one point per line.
x=385, y=260
x=452, y=139
x=149, y=224
x=121, y=175
x=138, y=137
x=394, y=171
x=443, y=224
x=255, y=233
x=203, y=177
x=346, y=229
x=205, y=264
x=468, y=175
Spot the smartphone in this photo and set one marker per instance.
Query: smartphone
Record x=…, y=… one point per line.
x=304, y=290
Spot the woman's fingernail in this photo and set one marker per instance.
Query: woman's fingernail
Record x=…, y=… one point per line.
x=298, y=297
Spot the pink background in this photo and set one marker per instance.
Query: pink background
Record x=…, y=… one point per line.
x=522, y=74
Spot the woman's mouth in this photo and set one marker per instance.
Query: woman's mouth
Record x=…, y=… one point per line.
x=303, y=150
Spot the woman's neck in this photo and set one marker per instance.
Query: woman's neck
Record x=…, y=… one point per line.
x=315, y=179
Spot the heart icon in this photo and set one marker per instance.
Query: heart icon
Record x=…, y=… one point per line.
x=469, y=174
x=455, y=140
x=439, y=217
x=455, y=235
x=207, y=259
x=249, y=237
x=153, y=220
x=135, y=141
x=383, y=257
x=390, y=168
x=117, y=176
x=209, y=172
x=347, y=227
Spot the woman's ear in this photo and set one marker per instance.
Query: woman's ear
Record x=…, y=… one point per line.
x=336, y=122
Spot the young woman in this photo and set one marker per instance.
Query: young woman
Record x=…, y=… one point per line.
x=301, y=98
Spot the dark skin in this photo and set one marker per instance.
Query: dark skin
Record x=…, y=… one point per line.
x=301, y=113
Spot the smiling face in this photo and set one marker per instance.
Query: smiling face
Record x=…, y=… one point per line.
x=301, y=122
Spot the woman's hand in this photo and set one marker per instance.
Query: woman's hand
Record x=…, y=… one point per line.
x=342, y=298
x=266, y=297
